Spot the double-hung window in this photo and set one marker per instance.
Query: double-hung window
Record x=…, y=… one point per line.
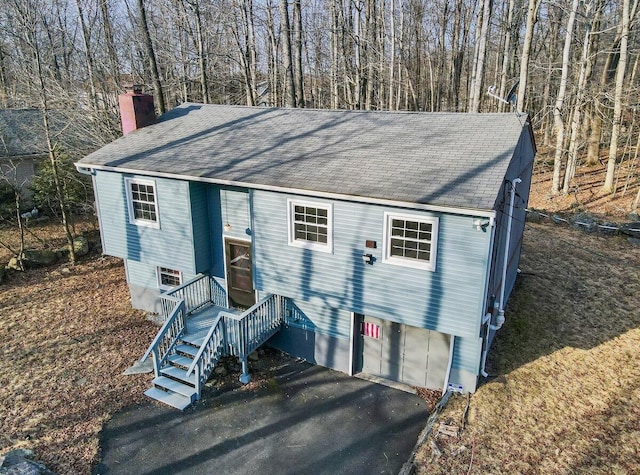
x=168, y=278
x=143, y=202
x=310, y=225
x=410, y=240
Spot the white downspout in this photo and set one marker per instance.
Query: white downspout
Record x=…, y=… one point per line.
x=485, y=320
x=505, y=263
x=445, y=386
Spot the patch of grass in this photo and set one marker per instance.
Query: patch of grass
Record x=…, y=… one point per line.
x=566, y=398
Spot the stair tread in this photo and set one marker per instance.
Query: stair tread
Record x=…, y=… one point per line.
x=188, y=349
x=170, y=398
x=180, y=374
x=175, y=386
x=195, y=339
x=180, y=360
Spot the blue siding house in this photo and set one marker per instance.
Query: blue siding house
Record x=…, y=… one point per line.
x=381, y=243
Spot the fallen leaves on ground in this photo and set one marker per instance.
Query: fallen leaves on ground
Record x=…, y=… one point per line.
x=67, y=335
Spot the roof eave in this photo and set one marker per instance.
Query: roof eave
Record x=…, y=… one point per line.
x=478, y=212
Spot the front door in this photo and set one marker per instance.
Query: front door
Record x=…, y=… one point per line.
x=239, y=275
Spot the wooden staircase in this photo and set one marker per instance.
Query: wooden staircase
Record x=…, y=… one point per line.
x=174, y=386
x=185, y=355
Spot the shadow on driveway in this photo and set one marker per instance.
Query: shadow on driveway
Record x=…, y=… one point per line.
x=308, y=419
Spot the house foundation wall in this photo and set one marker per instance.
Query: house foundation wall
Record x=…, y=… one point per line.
x=465, y=378
x=316, y=348
x=145, y=298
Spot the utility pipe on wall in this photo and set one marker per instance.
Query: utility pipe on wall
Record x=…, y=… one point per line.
x=505, y=264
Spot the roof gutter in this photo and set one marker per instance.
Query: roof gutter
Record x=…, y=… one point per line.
x=488, y=213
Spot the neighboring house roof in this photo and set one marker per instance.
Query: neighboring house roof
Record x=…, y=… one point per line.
x=444, y=159
x=22, y=133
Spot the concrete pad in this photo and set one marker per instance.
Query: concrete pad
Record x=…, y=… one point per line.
x=140, y=367
x=308, y=419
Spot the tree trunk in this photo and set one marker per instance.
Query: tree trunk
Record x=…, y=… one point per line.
x=559, y=107
x=111, y=48
x=88, y=57
x=334, y=54
x=532, y=12
x=253, y=55
x=370, y=17
x=392, y=51
x=202, y=58
x=153, y=65
x=299, y=76
x=18, y=198
x=285, y=32
x=478, y=72
x=3, y=81
x=577, y=108
x=357, y=37
x=33, y=40
x=272, y=55
x=506, y=56
x=617, y=101
x=608, y=73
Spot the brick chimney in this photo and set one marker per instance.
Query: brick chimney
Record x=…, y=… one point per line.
x=136, y=109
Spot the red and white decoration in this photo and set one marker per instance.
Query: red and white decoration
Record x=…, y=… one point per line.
x=370, y=329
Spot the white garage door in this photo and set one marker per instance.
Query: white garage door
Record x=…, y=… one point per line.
x=410, y=355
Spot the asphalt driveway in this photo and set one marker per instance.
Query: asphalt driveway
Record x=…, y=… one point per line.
x=308, y=419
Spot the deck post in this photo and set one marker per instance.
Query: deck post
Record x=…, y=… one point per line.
x=245, y=377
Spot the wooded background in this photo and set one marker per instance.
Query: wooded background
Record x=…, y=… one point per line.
x=576, y=62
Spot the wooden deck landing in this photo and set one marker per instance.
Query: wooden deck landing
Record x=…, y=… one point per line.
x=201, y=320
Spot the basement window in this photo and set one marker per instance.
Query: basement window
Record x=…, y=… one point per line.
x=142, y=202
x=310, y=225
x=168, y=278
x=410, y=241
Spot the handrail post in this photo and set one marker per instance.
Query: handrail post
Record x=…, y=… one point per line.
x=223, y=324
x=198, y=381
x=156, y=362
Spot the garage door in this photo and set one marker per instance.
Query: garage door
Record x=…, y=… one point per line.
x=410, y=355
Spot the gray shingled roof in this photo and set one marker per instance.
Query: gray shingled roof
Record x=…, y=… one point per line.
x=447, y=159
x=22, y=133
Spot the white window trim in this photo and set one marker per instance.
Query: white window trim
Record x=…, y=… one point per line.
x=162, y=286
x=328, y=247
x=132, y=219
x=407, y=262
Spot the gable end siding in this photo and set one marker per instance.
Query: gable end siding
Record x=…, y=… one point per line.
x=448, y=300
x=170, y=246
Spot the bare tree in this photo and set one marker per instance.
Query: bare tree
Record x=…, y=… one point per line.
x=558, y=110
x=153, y=64
x=532, y=11
x=29, y=15
x=617, y=108
x=285, y=31
x=578, y=105
x=297, y=54
x=480, y=56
